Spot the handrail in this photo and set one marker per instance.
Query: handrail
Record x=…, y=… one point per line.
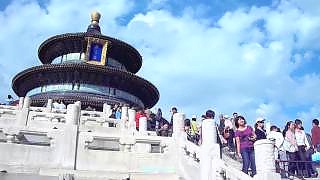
x=285, y=163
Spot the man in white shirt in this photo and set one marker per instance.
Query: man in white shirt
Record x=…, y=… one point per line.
x=55, y=105
x=59, y=105
x=276, y=136
x=62, y=105
x=279, y=153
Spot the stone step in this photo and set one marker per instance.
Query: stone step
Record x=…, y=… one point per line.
x=24, y=176
x=160, y=176
x=20, y=176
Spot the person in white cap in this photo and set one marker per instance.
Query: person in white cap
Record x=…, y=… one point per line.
x=259, y=129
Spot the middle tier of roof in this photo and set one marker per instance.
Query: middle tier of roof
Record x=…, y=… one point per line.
x=50, y=74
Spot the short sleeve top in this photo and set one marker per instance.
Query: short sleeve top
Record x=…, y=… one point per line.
x=244, y=136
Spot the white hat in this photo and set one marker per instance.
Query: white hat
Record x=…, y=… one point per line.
x=193, y=117
x=225, y=116
x=260, y=119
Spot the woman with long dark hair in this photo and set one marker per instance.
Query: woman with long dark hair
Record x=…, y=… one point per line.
x=303, y=146
x=245, y=138
x=290, y=146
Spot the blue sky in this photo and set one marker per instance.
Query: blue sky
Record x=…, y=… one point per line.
x=258, y=58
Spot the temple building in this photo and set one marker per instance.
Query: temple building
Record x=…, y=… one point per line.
x=88, y=67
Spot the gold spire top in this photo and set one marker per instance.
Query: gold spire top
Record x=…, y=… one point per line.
x=95, y=17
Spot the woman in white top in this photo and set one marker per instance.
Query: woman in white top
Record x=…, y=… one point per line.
x=290, y=146
x=277, y=137
x=303, y=146
x=279, y=154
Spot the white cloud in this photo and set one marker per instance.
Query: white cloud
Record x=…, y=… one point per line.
x=309, y=115
x=232, y=66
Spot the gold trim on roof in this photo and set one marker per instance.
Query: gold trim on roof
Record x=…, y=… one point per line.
x=95, y=17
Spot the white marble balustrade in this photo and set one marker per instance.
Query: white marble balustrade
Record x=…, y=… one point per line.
x=79, y=140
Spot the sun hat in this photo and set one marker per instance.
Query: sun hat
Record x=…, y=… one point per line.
x=260, y=119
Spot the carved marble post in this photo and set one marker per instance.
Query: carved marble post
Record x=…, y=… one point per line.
x=209, y=150
x=143, y=125
x=179, y=139
x=143, y=131
x=124, y=112
x=49, y=105
x=73, y=114
x=21, y=99
x=132, y=120
x=124, y=117
x=26, y=102
x=107, y=109
x=178, y=125
x=265, y=162
x=22, y=115
x=209, y=133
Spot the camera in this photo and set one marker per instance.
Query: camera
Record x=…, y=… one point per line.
x=251, y=138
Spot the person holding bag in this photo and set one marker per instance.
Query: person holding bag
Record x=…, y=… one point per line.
x=290, y=146
x=245, y=138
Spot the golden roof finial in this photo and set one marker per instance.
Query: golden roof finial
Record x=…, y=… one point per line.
x=95, y=17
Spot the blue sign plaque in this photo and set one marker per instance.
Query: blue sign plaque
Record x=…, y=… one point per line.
x=95, y=52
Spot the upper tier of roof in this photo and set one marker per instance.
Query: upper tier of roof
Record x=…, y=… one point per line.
x=64, y=44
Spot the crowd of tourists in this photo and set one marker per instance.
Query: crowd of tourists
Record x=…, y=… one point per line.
x=294, y=147
x=155, y=121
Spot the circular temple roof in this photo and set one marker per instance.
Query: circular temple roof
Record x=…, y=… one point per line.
x=75, y=43
x=85, y=73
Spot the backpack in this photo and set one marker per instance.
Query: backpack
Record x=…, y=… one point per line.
x=316, y=157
